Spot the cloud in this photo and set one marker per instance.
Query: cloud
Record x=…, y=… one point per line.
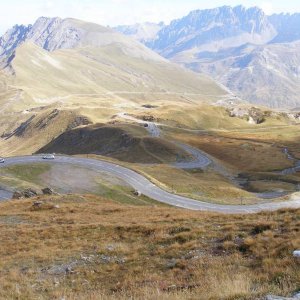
x=267, y=7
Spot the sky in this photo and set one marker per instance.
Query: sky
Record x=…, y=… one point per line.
x=117, y=12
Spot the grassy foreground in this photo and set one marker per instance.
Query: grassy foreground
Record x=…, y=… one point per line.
x=86, y=247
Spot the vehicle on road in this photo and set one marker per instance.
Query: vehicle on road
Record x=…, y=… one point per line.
x=137, y=193
x=49, y=156
x=2, y=160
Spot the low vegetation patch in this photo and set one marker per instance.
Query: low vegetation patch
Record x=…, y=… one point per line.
x=86, y=247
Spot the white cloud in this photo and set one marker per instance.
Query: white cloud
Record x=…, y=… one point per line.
x=267, y=7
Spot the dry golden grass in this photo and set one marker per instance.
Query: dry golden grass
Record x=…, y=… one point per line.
x=241, y=153
x=168, y=253
x=122, y=141
x=278, y=136
x=197, y=184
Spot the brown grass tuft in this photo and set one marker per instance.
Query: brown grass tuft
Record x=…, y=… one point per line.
x=91, y=248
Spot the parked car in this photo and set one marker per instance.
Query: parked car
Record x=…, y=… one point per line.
x=2, y=160
x=49, y=156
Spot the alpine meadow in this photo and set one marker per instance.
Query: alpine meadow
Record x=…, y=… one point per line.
x=149, y=160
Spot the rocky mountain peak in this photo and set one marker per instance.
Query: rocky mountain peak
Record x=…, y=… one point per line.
x=212, y=29
x=48, y=33
x=287, y=26
x=12, y=38
x=55, y=33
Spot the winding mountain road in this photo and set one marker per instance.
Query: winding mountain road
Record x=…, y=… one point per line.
x=199, y=161
x=150, y=190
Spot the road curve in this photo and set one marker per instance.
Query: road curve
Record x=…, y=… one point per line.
x=202, y=161
x=199, y=161
x=147, y=188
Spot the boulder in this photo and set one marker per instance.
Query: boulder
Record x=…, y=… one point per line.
x=149, y=106
x=171, y=264
x=47, y=191
x=37, y=204
x=28, y=193
x=79, y=121
x=148, y=118
x=253, y=115
x=17, y=195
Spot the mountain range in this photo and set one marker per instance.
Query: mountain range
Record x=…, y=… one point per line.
x=256, y=56
x=58, y=72
x=72, y=57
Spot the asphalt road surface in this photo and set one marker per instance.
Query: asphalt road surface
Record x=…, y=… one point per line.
x=199, y=161
x=5, y=195
x=140, y=183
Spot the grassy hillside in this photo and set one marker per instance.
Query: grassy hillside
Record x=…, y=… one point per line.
x=91, y=248
x=27, y=131
x=108, y=72
x=131, y=145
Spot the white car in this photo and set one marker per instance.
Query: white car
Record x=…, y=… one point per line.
x=49, y=156
x=2, y=160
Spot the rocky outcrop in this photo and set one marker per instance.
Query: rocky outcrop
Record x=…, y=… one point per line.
x=43, y=123
x=31, y=193
x=253, y=115
x=32, y=123
x=20, y=130
x=55, y=33
x=12, y=39
x=48, y=33
x=48, y=191
x=28, y=193
x=79, y=121
x=148, y=118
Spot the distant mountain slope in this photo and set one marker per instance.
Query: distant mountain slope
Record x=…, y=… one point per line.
x=266, y=75
x=145, y=32
x=238, y=47
x=287, y=27
x=56, y=33
x=62, y=60
x=214, y=29
x=101, y=71
x=56, y=73
x=12, y=39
